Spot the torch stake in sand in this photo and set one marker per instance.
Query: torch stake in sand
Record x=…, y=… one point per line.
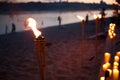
x=83, y=26
x=97, y=17
x=82, y=21
x=97, y=26
x=40, y=52
x=39, y=46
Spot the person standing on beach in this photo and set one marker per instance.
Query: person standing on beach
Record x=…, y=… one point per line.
x=87, y=18
x=102, y=20
x=42, y=23
x=13, y=27
x=59, y=19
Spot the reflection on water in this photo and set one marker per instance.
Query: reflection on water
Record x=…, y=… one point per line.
x=44, y=19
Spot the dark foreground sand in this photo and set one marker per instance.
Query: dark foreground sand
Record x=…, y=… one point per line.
x=66, y=59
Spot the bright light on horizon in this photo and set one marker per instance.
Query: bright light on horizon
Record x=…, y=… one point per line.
x=84, y=1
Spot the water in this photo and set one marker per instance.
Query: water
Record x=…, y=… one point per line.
x=44, y=19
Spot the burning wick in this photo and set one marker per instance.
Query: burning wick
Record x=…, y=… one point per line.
x=30, y=22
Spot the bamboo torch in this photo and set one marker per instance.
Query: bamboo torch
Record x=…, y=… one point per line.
x=82, y=21
x=39, y=46
x=83, y=26
x=97, y=17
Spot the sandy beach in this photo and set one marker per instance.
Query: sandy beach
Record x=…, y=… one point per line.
x=66, y=59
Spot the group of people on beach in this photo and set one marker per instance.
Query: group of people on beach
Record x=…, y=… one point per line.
x=60, y=19
x=114, y=19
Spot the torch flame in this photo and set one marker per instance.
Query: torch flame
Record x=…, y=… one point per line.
x=97, y=16
x=111, y=31
x=100, y=16
x=79, y=17
x=33, y=25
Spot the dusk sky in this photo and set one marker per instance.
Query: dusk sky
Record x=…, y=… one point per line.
x=85, y=1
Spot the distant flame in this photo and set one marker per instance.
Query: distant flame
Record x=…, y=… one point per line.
x=97, y=16
x=100, y=16
x=33, y=25
x=79, y=17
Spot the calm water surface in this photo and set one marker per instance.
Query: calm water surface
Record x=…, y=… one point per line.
x=44, y=19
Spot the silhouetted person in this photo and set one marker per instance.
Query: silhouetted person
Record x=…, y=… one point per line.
x=103, y=12
x=59, y=19
x=13, y=27
x=87, y=18
x=42, y=23
x=102, y=20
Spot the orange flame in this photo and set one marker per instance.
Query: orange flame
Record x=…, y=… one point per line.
x=33, y=25
x=79, y=17
x=97, y=16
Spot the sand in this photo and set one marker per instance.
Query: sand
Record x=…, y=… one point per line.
x=66, y=59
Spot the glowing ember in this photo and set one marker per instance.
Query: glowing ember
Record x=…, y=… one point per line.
x=33, y=25
x=79, y=17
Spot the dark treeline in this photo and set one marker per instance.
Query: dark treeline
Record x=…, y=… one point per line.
x=38, y=6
